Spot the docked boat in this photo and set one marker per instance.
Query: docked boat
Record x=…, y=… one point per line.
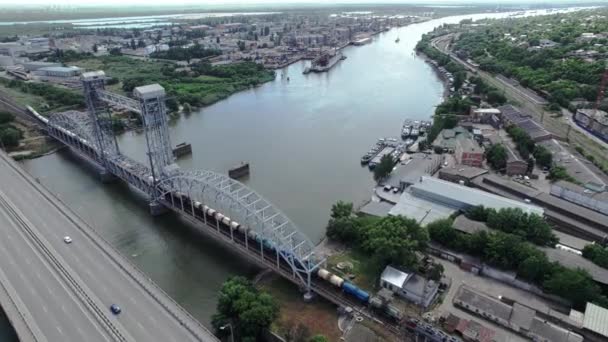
x=366, y=158
x=414, y=133
x=406, y=129
x=326, y=61
x=409, y=142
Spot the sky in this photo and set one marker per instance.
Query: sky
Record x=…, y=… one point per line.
x=248, y=2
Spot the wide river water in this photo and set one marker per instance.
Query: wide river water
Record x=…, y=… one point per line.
x=303, y=138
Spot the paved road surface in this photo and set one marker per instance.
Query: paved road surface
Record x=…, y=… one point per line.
x=67, y=288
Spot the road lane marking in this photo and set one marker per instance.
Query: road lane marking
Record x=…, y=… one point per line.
x=59, y=329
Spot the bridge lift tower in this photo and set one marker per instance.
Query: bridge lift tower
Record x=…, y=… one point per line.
x=100, y=118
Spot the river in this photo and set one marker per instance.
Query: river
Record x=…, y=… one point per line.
x=303, y=138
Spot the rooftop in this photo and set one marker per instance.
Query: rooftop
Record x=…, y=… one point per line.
x=468, y=172
x=394, y=276
x=420, y=209
x=149, y=91
x=596, y=319
x=379, y=209
x=470, y=196
x=419, y=285
x=468, y=226
x=487, y=304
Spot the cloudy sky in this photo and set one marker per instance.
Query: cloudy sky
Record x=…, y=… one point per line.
x=231, y=2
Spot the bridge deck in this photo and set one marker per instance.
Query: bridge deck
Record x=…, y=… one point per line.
x=64, y=291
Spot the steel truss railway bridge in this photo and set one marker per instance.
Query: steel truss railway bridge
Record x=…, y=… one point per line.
x=168, y=187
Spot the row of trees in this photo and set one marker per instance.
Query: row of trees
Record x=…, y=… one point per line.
x=493, y=96
x=529, y=226
x=512, y=252
x=389, y=240
x=186, y=54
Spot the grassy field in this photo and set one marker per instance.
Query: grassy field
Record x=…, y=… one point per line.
x=196, y=88
x=364, y=272
x=21, y=98
x=319, y=316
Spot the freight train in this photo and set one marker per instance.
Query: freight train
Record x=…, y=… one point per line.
x=242, y=232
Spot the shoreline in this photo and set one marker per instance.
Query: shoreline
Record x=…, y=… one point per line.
x=427, y=59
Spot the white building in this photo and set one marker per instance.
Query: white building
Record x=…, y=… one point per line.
x=410, y=286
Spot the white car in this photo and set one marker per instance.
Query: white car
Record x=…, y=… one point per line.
x=67, y=239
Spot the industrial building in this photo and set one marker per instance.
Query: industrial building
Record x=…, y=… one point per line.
x=32, y=66
x=410, y=286
x=431, y=199
x=595, y=322
x=58, y=71
x=468, y=152
x=591, y=199
x=513, y=116
x=516, y=316
x=565, y=215
x=594, y=121
x=461, y=173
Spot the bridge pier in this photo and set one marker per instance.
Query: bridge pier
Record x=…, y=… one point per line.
x=106, y=176
x=157, y=209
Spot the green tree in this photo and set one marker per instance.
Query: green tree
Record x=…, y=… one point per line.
x=341, y=209
x=6, y=117
x=497, y=156
x=384, y=168
x=478, y=213
x=115, y=52
x=435, y=272
x=249, y=310
x=543, y=156
x=495, y=97
x=442, y=232
x=574, y=285
x=95, y=48
x=557, y=173
x=172, y=104
x=598, y=254
x=535, y=268
x=187, y=108
x=10, y=136
x=319, y=338
x=395, y=239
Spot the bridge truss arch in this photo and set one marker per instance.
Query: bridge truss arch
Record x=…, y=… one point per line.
x=75, y=122
x=245, y=206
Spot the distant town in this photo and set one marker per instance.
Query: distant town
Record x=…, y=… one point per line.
x=482, y=215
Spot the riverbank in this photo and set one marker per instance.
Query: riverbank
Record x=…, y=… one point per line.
x=198, y=86
x=303, y=138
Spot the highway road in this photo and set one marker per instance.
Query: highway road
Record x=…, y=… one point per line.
x=67, y=289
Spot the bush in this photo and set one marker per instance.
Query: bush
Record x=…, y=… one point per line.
x=6, y=117
x=10, y=136
x=560, y=173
